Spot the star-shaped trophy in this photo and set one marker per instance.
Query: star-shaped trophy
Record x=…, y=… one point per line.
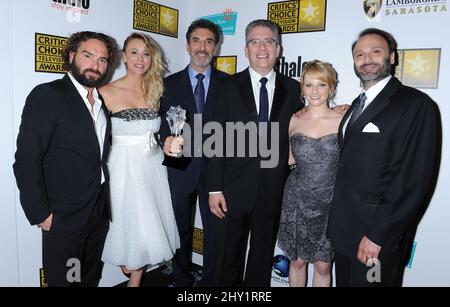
x=176, y=118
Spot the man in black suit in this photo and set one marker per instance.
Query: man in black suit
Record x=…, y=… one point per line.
x=194, y=89
x=60, y=164
x=245, y=194
x=389, y=141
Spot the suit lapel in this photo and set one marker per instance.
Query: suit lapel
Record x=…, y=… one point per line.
x=381, y=101
x=106, y=142
x=80, y=108
x=341, y=125
x=188, y=93
x=278, y=99
x=246, y=91
x=209, y=103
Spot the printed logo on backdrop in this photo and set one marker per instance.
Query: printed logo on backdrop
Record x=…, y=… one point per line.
x=411, y=258
x=393, y=8
x=372, y=8
x=419, y=68
x=197, y=241
x=155, y=18
x=227, y=64
x=290, y=69
x=298, y=16
x=226, y=21
x=42, y=282
x=48, y=53
x=74, y=9
x=280, y=270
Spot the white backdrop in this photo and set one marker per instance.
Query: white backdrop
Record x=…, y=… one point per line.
x=20, y=257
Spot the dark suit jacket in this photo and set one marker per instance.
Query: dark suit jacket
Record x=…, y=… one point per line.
x=239, y=178
x=383, y=178
x=58, y=164
x=178, y=91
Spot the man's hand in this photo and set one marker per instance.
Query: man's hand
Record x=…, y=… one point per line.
x=218, y=205
x=367, y=250
x=342, y=108
x=173, y=146
x=47, y=224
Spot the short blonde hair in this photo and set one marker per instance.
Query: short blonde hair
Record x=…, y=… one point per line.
x=323, y=71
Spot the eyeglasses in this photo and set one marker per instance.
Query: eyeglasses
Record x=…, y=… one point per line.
x=258, y=42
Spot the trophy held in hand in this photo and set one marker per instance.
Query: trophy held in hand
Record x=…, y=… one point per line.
x=176, y=118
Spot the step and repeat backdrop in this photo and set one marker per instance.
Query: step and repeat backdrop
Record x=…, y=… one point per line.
x=36, y=32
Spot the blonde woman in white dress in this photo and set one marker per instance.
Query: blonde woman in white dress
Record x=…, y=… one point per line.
x=143, y=230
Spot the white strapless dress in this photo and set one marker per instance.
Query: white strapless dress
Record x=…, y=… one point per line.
x=143, y=230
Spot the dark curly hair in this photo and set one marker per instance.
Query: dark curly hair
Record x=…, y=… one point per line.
x=205, y=24
x=77, y=38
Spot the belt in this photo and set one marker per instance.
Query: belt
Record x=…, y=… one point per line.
x=148, y=139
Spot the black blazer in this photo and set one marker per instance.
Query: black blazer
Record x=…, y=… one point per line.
x=383, y=178
x=178, y=91
x=239, y=178
x=58, y=164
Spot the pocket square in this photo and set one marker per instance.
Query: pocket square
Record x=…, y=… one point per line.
x=371, y=128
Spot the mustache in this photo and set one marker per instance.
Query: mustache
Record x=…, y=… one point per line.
x=369, y=64
x=97, y=72
x=201, y=52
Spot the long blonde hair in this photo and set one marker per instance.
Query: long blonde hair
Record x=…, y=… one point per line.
x=153, y=85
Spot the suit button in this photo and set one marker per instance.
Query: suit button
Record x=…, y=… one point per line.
x=341, y=164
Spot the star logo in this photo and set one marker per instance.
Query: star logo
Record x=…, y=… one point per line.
x=418, y=65
x=167, y=18
x=310, y=11
x=224, y=66
x=169, y=21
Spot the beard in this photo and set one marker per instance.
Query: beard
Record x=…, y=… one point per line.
x=83, y=79
x=382, y=72
x=204, y=62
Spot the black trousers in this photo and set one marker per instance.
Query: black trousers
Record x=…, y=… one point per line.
x=232, y=241
x=74, y=259
x=184, y=205
x=352, y=273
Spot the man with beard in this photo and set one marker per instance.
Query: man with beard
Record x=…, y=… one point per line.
x=388, y=140
x=194, y=89
x=60, y=164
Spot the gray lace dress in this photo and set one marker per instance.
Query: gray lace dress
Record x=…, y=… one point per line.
x=307, y=196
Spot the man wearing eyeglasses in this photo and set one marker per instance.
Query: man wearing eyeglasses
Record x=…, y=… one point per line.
x=244, y=196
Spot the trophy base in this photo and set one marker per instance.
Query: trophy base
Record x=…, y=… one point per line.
x=180, y=163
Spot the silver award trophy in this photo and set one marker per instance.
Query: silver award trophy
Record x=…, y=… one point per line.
x=176, y=118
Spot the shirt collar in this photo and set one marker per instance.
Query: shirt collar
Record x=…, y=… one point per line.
x=375, y=89
x=193, y=73
x=81, y=89
x=256, y=76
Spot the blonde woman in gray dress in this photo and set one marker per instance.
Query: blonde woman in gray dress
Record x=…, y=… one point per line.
x=314, y=149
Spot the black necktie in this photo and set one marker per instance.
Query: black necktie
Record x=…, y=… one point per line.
x=263, y=102
x=199, y=93
x=357, y=110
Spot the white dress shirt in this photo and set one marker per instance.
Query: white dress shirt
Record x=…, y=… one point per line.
x=256, y=86
x=371, y=94
x=97, y=114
